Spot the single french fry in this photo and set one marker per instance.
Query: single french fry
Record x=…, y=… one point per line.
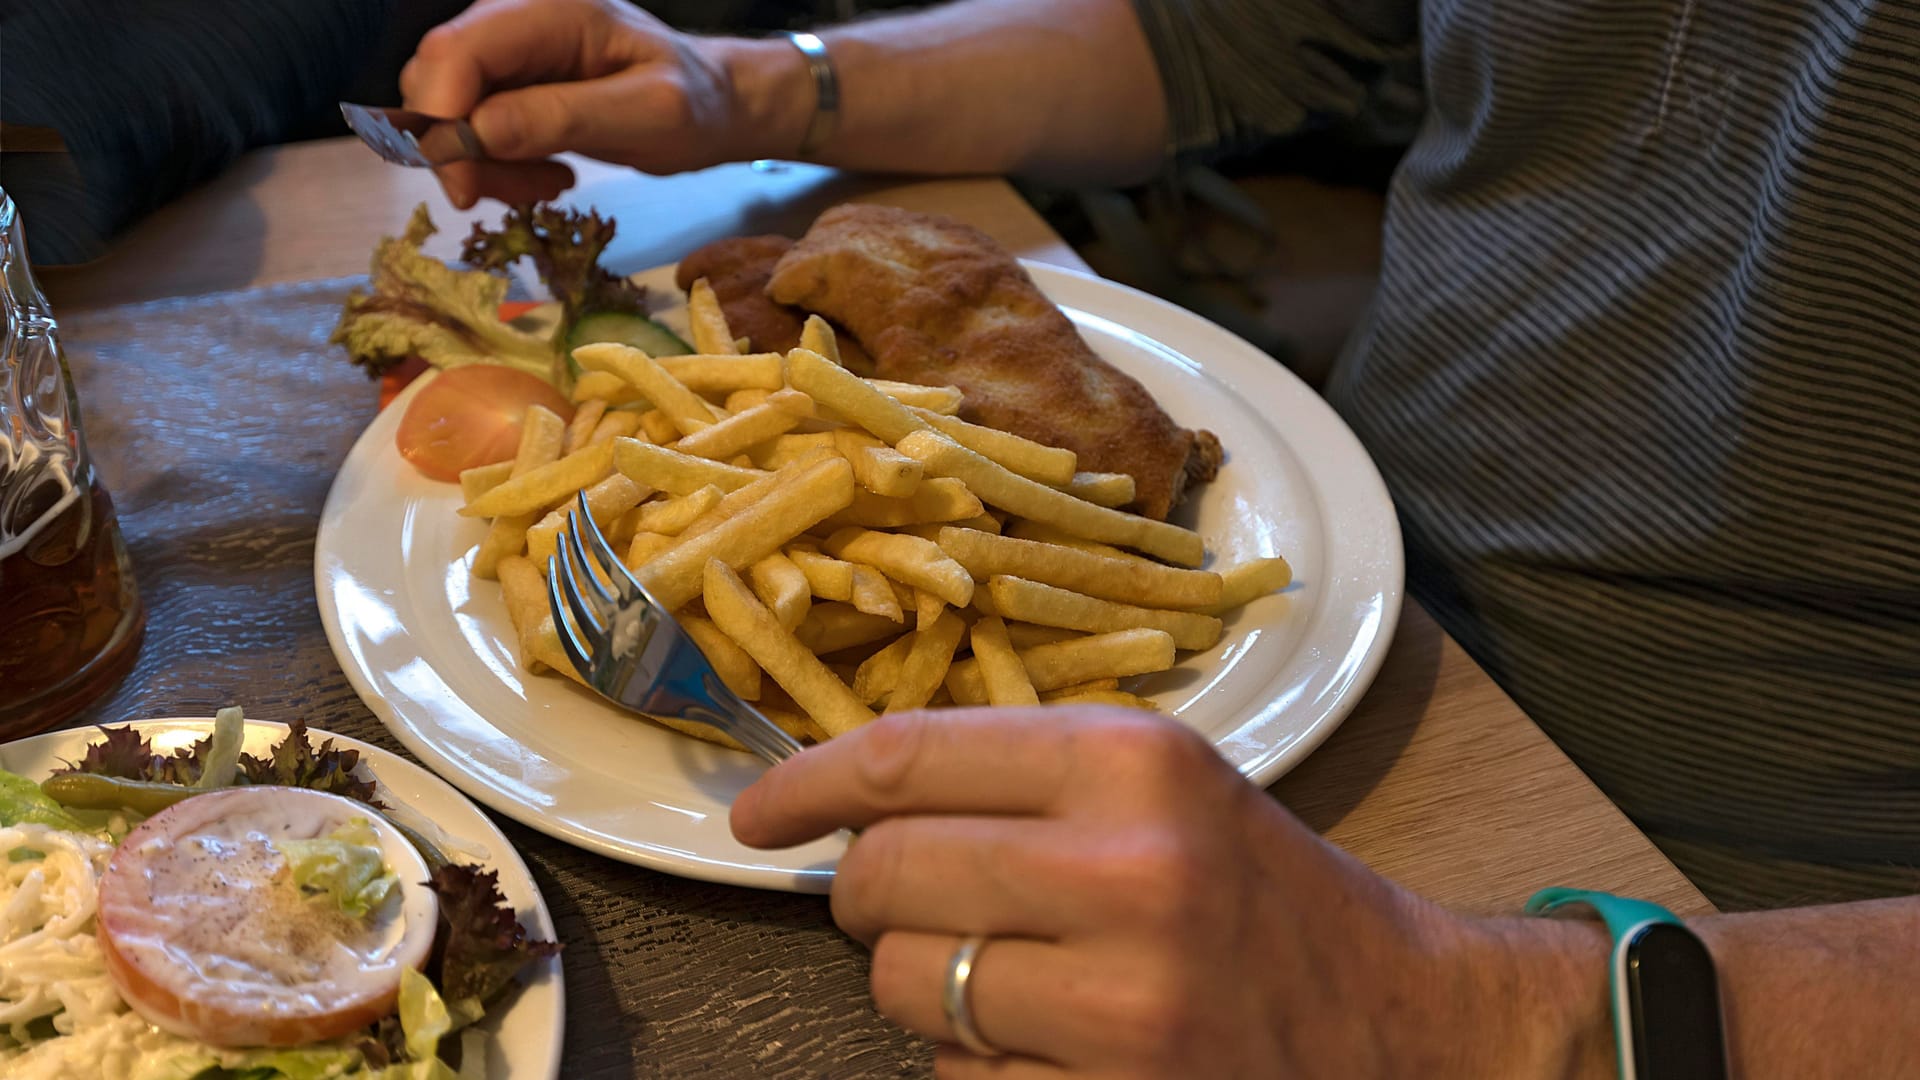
x=919, y=563
x=1128, y=579
x=725, y=373
x=741, y=498
x=695, y=730
x=828, y=577
x=927, y=663
x=673, y=577
x=536, y=489
x=935, y=499
x=709, y=324
x=742, y=344
x=1046, y=605
x=945, y=400
x=882, y=469
x=524, y=588
x=720, y=441
x=548, y=653
x=1036, y=461
x=1027, y=635
x=1254, y=577
x=877, y=674
x=658, y=428
x=735, y=610
x=816, y=335
x=1019, y=495
x=481, y=479
x=873, y=594
x=904, y=594
x=606, y=501
x=604, y=386
x=645, y=547
x=618, y=424
x=620, y=532
x=850, y=396
x=926, y=608
x=1022, y=529
x=671, y=516
x=586, y=416
x=1092, y=686
x=669, y=395
x=1103, y=697
x=541, y=435
x=783, y=587
x=782, y=449
x=1100, y=656
x=831, y=627
x=674, y=472
x=1001, y=671
x=1101, y=488
x=736, y=669
x=742, y=400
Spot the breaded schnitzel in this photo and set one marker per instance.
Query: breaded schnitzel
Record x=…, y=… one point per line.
x=737, y=268
x=935, y=301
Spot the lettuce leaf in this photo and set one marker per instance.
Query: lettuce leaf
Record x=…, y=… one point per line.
x=345, y=866
x=222, y=757
x=422, y=307
x=23, y=803
x=484, y=944
x=329, y=1061
x=565, y=247
x=293, y=762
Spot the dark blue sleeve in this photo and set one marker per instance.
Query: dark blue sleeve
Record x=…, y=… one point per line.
x=153, y=96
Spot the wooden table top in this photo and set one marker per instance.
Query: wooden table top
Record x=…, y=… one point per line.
x=220, y=462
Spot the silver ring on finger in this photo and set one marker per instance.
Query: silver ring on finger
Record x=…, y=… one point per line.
x=954, y=1000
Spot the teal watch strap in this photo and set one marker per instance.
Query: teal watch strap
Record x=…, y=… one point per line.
x=1622, y=918
x=1621, y=915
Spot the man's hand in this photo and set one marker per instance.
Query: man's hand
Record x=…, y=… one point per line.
x=1150, y=913
x=596, y=77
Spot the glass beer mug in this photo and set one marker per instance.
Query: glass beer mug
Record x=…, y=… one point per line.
x=70, y=619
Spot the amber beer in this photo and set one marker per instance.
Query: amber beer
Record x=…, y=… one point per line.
x=70, y=619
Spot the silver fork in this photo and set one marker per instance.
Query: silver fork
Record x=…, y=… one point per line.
x=630, y=649
x=405, y=137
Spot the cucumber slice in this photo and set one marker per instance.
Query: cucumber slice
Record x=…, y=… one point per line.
x=636, y=330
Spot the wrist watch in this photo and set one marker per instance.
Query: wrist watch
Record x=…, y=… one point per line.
x=1666, y=997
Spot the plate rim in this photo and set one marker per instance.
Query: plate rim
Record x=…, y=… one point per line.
x=1262, y=770
x=505, y=855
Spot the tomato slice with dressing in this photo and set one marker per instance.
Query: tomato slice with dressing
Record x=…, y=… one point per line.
x=469, y=416
x=205, y=934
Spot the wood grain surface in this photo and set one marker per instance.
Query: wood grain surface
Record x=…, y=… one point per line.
x=219, y=419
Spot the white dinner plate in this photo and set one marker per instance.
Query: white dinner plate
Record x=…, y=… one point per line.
x=432, y=653
x=526, y=1035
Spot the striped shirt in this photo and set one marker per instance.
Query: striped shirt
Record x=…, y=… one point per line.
x=1643, y=374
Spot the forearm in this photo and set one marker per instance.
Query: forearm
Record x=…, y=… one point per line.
x=1808, y=993
x=1814, y=993
x=1063, y=89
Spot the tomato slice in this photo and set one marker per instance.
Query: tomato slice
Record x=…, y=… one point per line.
x=204, y=933
x=471, y=416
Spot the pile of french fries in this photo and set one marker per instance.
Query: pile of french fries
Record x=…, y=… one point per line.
x=837, y=545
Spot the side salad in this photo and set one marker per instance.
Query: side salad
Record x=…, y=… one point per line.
x=419, y=307
x=213, y=915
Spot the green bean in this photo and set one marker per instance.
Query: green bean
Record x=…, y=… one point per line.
x=87, y=791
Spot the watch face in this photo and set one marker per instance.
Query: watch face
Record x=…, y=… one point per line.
x=1675, y=1001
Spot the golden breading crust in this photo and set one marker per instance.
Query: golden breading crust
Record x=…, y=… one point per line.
x=938, y=302
x=738, y=268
